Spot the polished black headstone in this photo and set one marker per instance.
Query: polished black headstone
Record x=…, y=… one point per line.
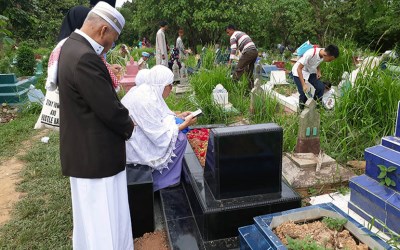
x=244, y=161
x=140, y=198
x=220, y=218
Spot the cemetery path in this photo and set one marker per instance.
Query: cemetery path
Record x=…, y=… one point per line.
x=10, y=170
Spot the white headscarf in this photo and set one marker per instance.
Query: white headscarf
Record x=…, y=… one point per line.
x=142, y=77
x=153, y=139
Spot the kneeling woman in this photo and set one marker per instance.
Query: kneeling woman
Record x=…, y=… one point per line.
x=157, y=141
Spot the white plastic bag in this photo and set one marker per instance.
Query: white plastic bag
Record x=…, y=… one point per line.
x=50, y=115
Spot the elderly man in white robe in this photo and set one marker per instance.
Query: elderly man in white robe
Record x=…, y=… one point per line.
x=93, y=129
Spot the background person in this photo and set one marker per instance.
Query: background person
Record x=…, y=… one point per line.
x=161, y=45
x=180, y=46
x=142, y=63
x=307, y=68
x=157, y=141
x=242, y=42
x=93, y=129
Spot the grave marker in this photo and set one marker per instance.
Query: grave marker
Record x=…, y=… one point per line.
x=128, y=80
x=308, y=137
x=175, y=70
x=278, y=77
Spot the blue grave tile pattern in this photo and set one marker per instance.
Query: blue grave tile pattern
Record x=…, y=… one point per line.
x=370, y=199
x=381, y=155
x=262, y=232
x=397, y=129
x=391, y=142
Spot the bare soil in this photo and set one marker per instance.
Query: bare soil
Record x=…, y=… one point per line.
x=319, y=232
x=10, y=176
x=7, y=113
x=152, y=241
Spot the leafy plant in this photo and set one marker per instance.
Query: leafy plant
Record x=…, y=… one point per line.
x=25, y=60
x=383, y=175
x=334, y=223
x=5, y=34
x=303, y=244
x=343, y=190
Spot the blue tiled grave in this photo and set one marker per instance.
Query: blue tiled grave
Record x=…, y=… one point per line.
x=213, y=222
x=13, y=90
x=397, y=129
x=381, y=155
x=260, y=234
x=368, y=197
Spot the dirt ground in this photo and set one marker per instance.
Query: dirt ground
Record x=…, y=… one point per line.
x=152, y=241
x=318, y=231
x=10, y=176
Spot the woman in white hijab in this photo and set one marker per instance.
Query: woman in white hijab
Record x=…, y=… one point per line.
x=157, y=141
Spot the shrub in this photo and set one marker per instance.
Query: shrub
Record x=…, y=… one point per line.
x=25, y=60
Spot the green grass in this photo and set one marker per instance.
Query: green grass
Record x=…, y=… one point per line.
x=42, y=219
x=14, y=132
x=363, y=115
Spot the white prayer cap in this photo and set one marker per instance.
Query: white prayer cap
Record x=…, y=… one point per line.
x=110, y=15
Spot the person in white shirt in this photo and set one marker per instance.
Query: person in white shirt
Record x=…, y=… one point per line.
x=161, y=45
x=307, y=68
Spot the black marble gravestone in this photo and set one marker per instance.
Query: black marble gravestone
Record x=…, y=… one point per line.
x=242, y=179
x=140, y=198
x=244, y=160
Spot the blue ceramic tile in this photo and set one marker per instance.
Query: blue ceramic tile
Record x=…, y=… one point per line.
x=393, y=221
x=251, y=238
x=397, y=129
x=394, y=201
x=391, y=142
x=371, y=189
x=366, y=204
x=380, y=155
x=364, y=215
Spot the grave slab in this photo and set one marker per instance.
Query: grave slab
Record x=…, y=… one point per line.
x=219, y=219
x=13, y=90
x=299, y=177
x=304, y=160
x=266, y=223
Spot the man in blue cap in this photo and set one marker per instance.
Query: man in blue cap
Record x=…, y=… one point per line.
x=143, y=61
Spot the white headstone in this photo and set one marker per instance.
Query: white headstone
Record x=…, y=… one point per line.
x=278, y=77
x=184, y=75
x=175, y=70
x=220, y=95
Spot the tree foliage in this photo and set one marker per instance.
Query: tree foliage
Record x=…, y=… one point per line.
x=372, y=23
